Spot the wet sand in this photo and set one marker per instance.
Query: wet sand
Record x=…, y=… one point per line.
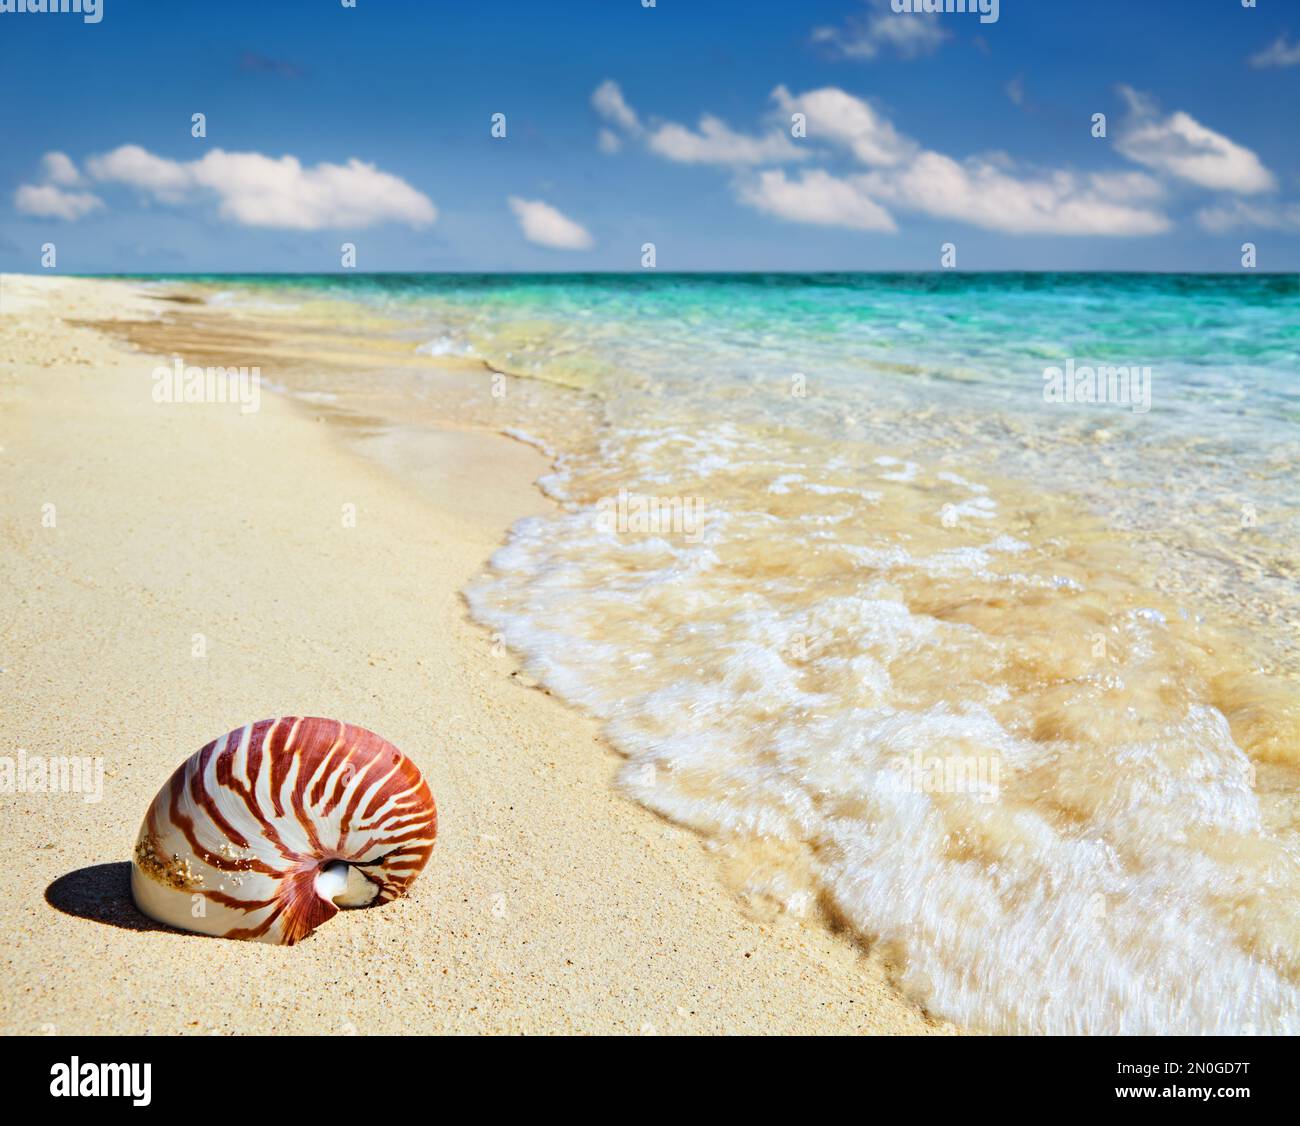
x=197, y=570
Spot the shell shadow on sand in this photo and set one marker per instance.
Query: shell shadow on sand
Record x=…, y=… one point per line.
x=101, y=892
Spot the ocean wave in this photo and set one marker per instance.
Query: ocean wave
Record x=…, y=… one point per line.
x=982, y=742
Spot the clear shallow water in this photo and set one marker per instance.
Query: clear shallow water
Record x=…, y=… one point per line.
x=913, y=647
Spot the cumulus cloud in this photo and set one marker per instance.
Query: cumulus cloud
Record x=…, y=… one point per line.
x=49, y=201
x=849, y=122
x=990, y=192
x=1179, y=145
x=1238, y=214
x=909, y=35
x=715, y=143
x=1279, y=53
x=711, y=142
x=166, y=180
x=894, y=173
x=262, y=191
x=608, y=101
x=1130, y=186
x=544, y=225
x=58, y=168
x=983, y=194
x=816, y=197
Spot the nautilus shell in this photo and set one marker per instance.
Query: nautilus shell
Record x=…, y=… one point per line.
x=266, y=832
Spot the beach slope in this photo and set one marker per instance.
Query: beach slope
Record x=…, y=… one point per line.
x=175, y=570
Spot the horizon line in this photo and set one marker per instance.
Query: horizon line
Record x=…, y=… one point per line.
x=645, y=273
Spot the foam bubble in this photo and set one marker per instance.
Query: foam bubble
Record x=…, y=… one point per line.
x=986, y=746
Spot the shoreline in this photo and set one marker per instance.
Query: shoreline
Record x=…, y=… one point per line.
x=552, y=902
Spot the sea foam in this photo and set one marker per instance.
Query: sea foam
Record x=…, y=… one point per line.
x=982, y=745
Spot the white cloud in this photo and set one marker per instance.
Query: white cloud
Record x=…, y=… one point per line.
x=608, y=101
x=979, y=192
x=976, y=192
x=262, y=191
x=1240, y=215
x=52, y=202
x=49, y=200
x=544, y=225
x=59, y=169
x=711, y=142
x=908, y=34
x=1280, y=53
x=1181, y=146
x=716, y=143
x=990, y=191
x=849, y=122
x=816, y=197
x=167, y=180
x=1128, y=186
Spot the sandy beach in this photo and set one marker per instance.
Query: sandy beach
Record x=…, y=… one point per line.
x=176, y=570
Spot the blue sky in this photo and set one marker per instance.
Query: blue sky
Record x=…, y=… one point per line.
x=920, y=130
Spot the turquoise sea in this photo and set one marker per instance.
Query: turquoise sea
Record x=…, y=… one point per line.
x=1001, y=679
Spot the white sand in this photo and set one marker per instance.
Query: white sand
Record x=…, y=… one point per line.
x=551, y=903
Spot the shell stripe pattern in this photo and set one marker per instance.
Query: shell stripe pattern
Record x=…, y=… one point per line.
x=235, y=842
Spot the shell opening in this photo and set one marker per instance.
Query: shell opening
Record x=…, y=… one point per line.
x=344, y=885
